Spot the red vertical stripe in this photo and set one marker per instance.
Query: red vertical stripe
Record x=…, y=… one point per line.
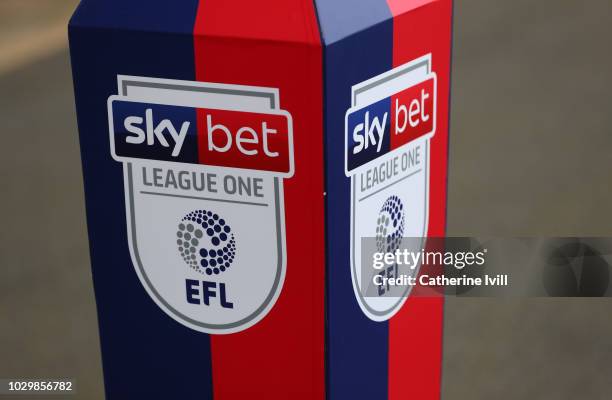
x=415, y=333
x=405, y=99
x=276, y=44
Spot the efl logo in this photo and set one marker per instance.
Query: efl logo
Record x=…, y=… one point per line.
x=387, y=132
x=204, y=166
x=207, y=136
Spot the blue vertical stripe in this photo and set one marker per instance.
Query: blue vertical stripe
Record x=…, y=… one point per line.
x=145, y=353
x=358, y=39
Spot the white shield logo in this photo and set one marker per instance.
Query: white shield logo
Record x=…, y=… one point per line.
x=389, y=191
x=207, y=241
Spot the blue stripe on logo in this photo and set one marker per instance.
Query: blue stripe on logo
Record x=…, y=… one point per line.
x=156, y=132
x=367, y=131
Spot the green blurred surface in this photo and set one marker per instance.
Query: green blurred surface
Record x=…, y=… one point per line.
x=23, y=15
x=47, y=311
x=531, y=134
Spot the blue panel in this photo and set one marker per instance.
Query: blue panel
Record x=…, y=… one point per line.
x=166, y=16
x=155, y=132
x=145, y=353
x=368, y=133
x=358, y=38
x=339, y=19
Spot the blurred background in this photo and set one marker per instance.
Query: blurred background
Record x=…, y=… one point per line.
x=531, y=141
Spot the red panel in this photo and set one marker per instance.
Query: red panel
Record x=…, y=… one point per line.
x=244, y=140
x=276, y=44
x=415, y=333
x=412, y=113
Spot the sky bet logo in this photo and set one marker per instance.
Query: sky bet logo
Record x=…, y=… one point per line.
x=225, y=138
x=389, y=123
x=388, y=130
x=203, y=171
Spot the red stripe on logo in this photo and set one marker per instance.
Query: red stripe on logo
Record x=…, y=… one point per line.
x=415, y=332
x=276, y=45
x=244, y=140
x=412, y=113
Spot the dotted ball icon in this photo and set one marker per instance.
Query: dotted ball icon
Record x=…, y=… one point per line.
x=206, y=242
x=390, y=225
